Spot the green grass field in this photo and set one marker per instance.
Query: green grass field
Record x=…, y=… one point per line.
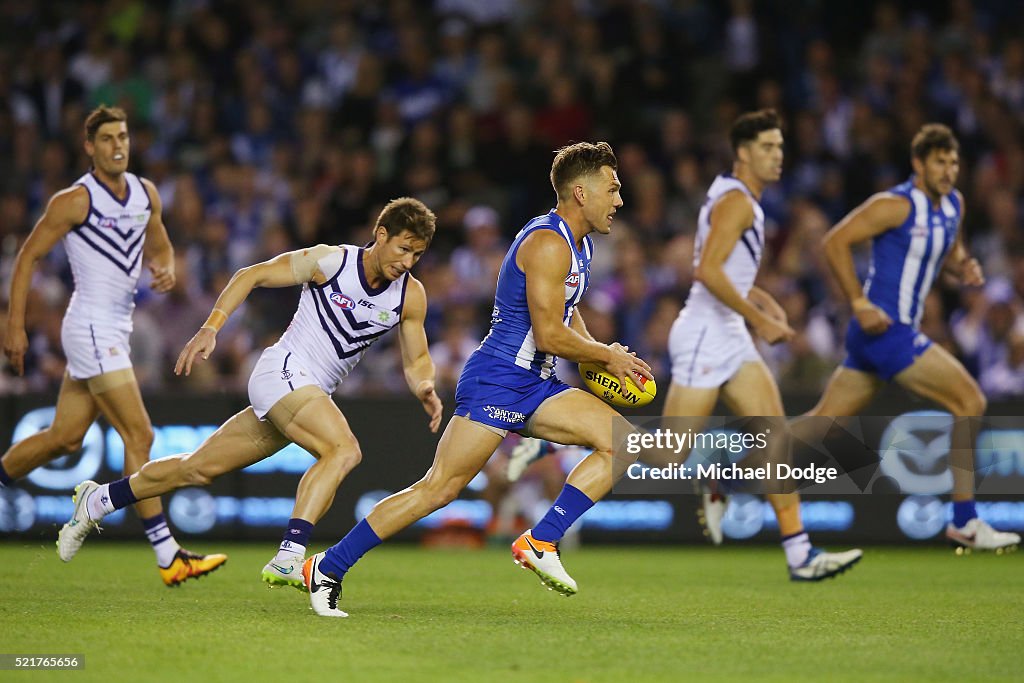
x=432, y=615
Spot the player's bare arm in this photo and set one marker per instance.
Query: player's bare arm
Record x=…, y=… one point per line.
x=286, y=270
x=416, y=361
x=767, y=303
x=66, y=209
x=545, y=259
x=959, y=263
x=157, y=252
x=878, y=214
x=730, y=217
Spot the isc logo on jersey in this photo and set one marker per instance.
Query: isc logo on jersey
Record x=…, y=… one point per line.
x=639, y=390
x=342, y=301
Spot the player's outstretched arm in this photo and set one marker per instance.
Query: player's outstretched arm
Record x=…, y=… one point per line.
x=286, y=270
x=416, y=360
x=730, y=217
x=881, y=212
x=157, y=250
x=544, y=258
x=66, y=209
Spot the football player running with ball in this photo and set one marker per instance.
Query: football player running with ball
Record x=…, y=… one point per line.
x=509, y=384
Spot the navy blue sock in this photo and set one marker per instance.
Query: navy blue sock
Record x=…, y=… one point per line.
x=568, y=507
x=357, y=542
x=963, y=512
x=121, y=495
x=298, y=531
x=5, y=479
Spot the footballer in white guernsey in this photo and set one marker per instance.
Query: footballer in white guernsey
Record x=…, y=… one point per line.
x=509, y=383
x=110, y=222
x=713, y=354
x=351, y=296
x=914, y=230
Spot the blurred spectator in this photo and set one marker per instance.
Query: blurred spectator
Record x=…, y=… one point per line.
x=284, y=126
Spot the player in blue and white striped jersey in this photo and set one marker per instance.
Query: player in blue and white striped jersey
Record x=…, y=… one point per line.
x=110, y=222
x=914, y=230
x=508, y=384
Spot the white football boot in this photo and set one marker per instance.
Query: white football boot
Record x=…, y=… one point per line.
x=287, y=572
x=979, y=535
x=822, y=565
x=712, y=512
x=526, y=452
x=72, y=535
x=324, y=589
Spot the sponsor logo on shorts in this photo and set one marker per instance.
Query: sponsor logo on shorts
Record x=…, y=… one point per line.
x=286, y=375
x=342, y=301
x=503, y=415
x=114, y=351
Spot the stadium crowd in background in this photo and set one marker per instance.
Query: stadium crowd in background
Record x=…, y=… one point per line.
x=270, y=127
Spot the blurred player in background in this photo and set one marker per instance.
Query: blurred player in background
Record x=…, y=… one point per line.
x=914, y=230
x=111, y=224
x=351, y=296
x=509, y=383
x=713, y=354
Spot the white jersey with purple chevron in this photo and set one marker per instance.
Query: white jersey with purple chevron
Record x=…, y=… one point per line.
x=906, y=259
x=105, y=253
x=741, y=265
x=511, y=334
x=337, y=321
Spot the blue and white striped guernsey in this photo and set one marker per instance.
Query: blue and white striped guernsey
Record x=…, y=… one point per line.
x=337, y=321
x=105, y=253
x=906, y=260
x=511, y=334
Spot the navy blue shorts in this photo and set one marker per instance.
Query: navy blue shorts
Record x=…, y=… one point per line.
x=497, y=393
x=887, y=354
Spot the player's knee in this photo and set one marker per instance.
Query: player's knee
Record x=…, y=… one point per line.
x=139, y=439
x=343, y=456
x=974, y=404
x=68, y=443
x=67, y=440
x=438, y=493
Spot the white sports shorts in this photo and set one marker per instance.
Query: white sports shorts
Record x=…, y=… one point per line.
x=278, y=372
x=92, y=349
x=707, y=353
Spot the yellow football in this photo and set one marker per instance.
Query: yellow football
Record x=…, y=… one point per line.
x=639, y=390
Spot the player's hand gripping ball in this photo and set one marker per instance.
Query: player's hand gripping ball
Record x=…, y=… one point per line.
x=639, y=390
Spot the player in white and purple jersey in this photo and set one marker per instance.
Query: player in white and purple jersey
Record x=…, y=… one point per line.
x=509, y=384
x=914, y=230
x=351, y=296
x=111, y=225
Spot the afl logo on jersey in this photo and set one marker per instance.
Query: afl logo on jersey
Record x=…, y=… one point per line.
x=342, y=301
x=108, y=223
x=573, y=280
